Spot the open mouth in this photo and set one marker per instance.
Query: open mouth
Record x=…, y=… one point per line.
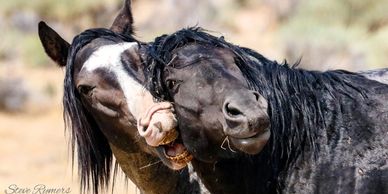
x=158, y=127
x=175, y=151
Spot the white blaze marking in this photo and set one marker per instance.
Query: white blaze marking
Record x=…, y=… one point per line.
x=109, y=57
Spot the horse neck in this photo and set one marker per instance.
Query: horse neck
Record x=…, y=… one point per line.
x=302, y=104
x=294, y=133
x=253, y=174
x=151, y=177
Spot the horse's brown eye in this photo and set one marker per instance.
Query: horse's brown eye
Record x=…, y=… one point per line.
x=85, y=90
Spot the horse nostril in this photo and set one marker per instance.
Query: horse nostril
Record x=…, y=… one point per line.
x=232, y=110
x=257, y=96
x=145, y=128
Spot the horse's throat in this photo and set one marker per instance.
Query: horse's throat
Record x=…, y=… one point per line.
x=153, y=179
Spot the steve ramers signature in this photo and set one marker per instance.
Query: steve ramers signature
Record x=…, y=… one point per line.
x=37, y=189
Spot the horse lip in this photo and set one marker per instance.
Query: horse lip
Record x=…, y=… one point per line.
x=144, y=121
x=182, y=158
x=168, y=162
x=177, y=162
x=253, y=144
x=170, y=137
x=261, y=132
x=253, y=134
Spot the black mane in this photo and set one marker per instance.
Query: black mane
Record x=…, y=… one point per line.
x=291, y=93
x=93, y=151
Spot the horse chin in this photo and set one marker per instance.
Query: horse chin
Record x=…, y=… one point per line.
x=251, y=145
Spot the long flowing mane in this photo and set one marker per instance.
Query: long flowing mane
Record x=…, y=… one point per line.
x=299, y=100
x=86, y=138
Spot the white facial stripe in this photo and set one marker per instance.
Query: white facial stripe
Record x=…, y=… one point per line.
x=109, y=57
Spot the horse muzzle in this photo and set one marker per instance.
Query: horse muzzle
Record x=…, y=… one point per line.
x=158, y=125
x=247, y=123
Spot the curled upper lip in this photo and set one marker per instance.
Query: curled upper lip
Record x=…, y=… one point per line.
x=152, y=130
x=143, y=122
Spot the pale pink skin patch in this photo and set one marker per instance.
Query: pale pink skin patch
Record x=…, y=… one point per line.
x=150, y=126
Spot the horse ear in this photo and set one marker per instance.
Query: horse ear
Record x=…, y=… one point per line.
x=54, y=45
x=124, y=20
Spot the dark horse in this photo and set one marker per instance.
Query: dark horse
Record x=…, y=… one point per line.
x=103, y=98
x=256, y=126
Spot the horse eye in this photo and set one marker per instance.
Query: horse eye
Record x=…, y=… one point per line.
x=170, y=84
x=85, y=89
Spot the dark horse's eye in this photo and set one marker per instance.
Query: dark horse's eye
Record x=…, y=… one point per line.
x=85, y=89
x=171, y=84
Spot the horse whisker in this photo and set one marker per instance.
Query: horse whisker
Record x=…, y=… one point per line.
x=223, y=142
x=227, y=141
x=172, y=60
x=151, y=164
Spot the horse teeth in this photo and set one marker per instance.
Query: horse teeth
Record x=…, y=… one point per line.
x=185, y=157
x=170, y=137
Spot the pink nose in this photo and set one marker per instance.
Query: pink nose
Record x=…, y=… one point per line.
x=157, y=122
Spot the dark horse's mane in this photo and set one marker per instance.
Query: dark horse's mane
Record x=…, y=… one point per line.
x=291, y=93
x=93, y=152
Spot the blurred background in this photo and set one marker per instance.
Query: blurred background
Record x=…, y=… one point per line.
x=324, y=34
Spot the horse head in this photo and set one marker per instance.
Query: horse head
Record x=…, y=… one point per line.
x=218, y=112
x=229, y=100
x=103, y=99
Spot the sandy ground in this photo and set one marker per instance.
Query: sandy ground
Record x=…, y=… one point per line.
x=33, y=145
